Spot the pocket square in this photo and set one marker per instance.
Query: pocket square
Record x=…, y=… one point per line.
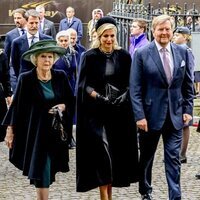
x=182, y=63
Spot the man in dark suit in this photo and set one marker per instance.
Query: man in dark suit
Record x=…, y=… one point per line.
x=20, y=22
x=161, y=90
x=46, y=26
x=22, y=43
x=72, y=22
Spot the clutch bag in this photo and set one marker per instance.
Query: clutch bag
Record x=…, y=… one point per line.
x=111, y=91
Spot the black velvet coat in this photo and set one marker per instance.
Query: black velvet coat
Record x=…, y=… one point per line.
x=107, y=151
x=5, y=90
x=33, y=137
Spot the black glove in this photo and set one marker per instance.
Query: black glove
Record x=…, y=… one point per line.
x=121, y=99
x=101, y=99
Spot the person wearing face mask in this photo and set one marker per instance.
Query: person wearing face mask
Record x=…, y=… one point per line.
x=106, y=148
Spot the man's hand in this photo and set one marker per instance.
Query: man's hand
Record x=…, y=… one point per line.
x=187, y=118
x=142, y=124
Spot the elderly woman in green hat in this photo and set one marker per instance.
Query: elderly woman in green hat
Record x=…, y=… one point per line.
x=34, y=147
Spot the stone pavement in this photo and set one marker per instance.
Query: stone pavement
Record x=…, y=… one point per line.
x=14, y=186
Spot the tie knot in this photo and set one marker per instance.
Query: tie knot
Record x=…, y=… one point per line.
x=23, y=31
x=163, y=50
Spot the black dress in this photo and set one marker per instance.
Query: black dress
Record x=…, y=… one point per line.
x=5, y=90
x=106, y=136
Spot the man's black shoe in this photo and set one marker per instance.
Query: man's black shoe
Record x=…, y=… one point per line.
x=72, y=144
x=197, y=175
x=146, y=197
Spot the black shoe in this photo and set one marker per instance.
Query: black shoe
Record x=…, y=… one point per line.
x=183, y=159
x=146, y=197
x=72, y=144
x=197, y=175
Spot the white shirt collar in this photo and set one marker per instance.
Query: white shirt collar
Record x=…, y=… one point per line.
x=159, y=47
x=30, y=36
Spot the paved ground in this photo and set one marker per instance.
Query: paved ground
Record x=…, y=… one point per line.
x=13, y=186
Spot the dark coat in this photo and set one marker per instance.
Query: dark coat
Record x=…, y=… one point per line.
x=49, y=28
x=10, y=36
x=106, y=135
x=5, y=90
x=33, y=137
x=76, y=24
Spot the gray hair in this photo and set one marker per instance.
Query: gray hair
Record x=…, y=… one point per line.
x=62, y=34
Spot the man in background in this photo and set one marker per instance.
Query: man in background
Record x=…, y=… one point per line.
x=22, y=43
x=20, y=23
x=72, y=22
x=46, y=26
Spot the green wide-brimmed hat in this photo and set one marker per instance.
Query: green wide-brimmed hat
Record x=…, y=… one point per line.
x=43, y=46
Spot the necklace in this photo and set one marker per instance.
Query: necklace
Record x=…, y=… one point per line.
x=44, y=78
x=106, y=52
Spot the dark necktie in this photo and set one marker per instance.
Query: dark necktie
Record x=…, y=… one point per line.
x=23, y=31
x=32, y=39
x=166, y=64
x=69, y=22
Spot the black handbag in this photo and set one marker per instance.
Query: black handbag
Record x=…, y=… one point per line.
x=112, y=92
x=58, y=124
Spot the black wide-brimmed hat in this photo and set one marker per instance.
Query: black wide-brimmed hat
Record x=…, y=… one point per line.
x=105, y=20
x=182, y=30
x=44, y=46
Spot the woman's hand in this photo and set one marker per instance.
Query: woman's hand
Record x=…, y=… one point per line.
x=9, y=101
x=9, y=137
x=61, y=107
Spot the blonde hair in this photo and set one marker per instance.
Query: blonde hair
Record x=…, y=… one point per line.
x=96, y=43
x=160, y=20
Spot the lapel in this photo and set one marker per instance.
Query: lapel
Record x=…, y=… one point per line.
x=175, y=60
x=72, y=21
x=24, y=42
x=153, y=51
x=16, y=33
x=45, y=25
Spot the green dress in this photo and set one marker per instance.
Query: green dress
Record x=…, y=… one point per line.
x=46, y=179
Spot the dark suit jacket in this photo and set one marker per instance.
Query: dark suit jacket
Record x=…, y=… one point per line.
x=10, y=36
x=49, y=28
x=75, y=24
x=151, y=95
x=19, y=46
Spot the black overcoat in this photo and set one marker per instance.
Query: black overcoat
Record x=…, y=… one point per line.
x=107, y=151
x=5, y=90
x=33, y=137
